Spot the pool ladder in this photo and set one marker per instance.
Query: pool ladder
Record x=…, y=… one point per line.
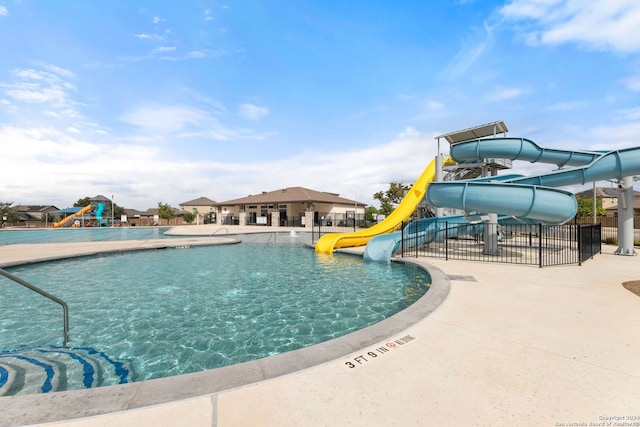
x=65, y=308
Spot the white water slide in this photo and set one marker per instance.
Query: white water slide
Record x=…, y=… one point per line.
x=531, y=199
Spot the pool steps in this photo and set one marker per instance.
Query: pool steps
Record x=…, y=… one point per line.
x=53, y=368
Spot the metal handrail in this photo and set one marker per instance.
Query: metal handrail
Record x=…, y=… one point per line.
x=273, y=234
x=65, y=308
x=220, y=229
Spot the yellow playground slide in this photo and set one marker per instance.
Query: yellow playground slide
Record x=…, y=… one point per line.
x=329, y=242
x=70, y=217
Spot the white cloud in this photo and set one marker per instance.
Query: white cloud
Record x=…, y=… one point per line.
x=434, y=105
x=474, y=47
x=150, y=37
x=252, y=111
x=504, y=93
x=161, y=49
x=165, y=119
x=602, y=25
x=31, y=86
x=567, y=106
x=632, y=83
x=69, y=167
x=3, y=11
x=62, y=72
x=157, y=20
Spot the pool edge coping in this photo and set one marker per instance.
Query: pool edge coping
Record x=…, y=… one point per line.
x=76, y=404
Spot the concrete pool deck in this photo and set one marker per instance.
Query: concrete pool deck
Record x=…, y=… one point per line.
x=509, y=345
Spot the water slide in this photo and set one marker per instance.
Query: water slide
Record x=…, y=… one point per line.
x=591, y=166
x=63, y=221
x=99, y=211
x=329, y=242
x=532, y=199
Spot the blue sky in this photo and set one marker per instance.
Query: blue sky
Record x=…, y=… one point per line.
x=150, y=101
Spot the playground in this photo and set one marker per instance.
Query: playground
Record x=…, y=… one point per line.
x=96, y=214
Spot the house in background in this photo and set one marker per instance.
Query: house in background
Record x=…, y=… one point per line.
x=151, y=217
x=31, y=215
x=204, y=207
x=609, y=197
x=292, y=206
x=133, y=217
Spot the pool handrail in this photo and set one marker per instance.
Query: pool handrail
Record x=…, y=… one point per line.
x=272, y=234
x=65, y=307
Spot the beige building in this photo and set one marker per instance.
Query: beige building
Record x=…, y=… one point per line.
x=205, y=209
x=292, y=206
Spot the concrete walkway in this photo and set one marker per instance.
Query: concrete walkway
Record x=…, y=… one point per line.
x=509, y=346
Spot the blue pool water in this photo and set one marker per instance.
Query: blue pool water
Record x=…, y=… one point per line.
x=54, y=235
x=168, y=312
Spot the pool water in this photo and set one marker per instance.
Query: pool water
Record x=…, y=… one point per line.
x=64, y=235
x=173, y=311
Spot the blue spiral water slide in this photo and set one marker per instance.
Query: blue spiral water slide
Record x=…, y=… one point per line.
x=530, y=199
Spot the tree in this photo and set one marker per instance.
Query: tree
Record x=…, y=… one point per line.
x=118, y=211
x=165, y=211
x=81, y=203
x=369, y=213
x=390, y=198
x=9, y=212
x=189, y=217
x=48, y=217
x=585, y=207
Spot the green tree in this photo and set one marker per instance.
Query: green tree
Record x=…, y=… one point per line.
x=585, y=207
x=369, y=213
x=6, y=210
x=189, y=217
x=390, y=198
x=81, y=203
x=118, y=211
x=48, y=217
x=165, y=211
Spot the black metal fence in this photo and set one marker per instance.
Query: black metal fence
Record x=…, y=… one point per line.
x=609, y=227
x=541, y=245
x=338, y=223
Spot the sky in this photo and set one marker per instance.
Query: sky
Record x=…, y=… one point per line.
x=161, y=101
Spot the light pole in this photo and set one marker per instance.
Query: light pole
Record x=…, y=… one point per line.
x=112, y=210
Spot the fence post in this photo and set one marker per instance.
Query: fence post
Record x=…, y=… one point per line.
x=540, y=263
x=446, y=240
x=402, y=239
x=415, y=231
x=579, y=244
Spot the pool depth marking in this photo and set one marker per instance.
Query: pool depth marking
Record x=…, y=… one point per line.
x=374, y=352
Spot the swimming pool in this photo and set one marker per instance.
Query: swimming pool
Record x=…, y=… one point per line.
x=168, y=312
x=54, y=235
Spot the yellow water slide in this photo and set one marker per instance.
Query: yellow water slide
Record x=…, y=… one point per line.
x=70, y=217
x=329, y=242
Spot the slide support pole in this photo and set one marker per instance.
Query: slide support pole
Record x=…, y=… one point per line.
x=625, y=217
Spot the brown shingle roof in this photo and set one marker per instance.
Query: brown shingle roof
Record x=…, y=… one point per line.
x=603, y=192
x=200, y=201
x=291, y=195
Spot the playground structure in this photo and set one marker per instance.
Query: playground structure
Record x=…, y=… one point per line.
x=95, y=214
x=67, y=220
x=492, y=199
